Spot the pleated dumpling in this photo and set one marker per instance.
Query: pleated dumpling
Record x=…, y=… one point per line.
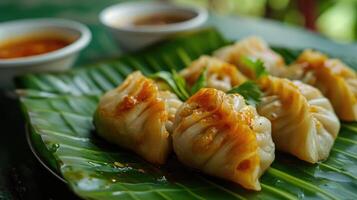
x=253, y=48
x=220, y=135
x=303, y=121
x=219, y=74
x=335, y=80
x=139, y=117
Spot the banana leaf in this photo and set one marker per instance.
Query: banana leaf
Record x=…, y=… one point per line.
x=59, y=109
x=62, y=131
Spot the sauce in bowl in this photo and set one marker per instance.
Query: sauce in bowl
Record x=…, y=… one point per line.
x=31, y=45
x=158, y=19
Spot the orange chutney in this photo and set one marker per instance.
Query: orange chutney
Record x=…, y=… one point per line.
x=160, y=19
x=31, y=46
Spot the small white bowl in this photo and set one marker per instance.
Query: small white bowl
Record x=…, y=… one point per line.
x=57, y=60
x=130, y=38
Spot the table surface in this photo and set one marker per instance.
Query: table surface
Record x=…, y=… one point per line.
x=21, y=175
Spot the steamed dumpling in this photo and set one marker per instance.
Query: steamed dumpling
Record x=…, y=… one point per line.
x=139, y=117
x=253, y=48
x=220, y=75
x=303, y=121
x=335, y=80
x=220, y=135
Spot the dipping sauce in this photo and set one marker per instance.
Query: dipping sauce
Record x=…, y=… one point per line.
x=31, y=46
x=158, y=19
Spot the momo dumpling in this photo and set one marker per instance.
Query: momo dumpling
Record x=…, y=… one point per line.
x=220, y=135
x=303, y=121
x=138, y=116
x=253, y=48
x=333, y=78
x=219, y=74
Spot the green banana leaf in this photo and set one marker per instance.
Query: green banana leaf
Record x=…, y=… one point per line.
x=59, y=109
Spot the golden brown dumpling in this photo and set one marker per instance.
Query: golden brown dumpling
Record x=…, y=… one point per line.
x=222, y=136
x=303, y=121
x=332, y=77
x=253, y=48
x=139, y=117
x=220, y=75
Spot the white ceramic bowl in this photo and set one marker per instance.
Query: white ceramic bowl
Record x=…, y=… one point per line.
x=132, y=38
x=57, y=60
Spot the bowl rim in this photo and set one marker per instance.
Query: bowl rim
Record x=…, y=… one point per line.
x=196, y=21
x=74, y=47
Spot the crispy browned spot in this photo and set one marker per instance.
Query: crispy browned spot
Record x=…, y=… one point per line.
x=128, y=103
x=244, y=165
x=146, y=92
x=205, y=99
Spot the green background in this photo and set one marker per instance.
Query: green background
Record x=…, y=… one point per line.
x=102, y=46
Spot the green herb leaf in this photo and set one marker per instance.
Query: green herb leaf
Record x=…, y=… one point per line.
x=181, y=84
x=167, y=77
x=256, y=65
x=175, y=82
x=200, y=83
x=250, y=91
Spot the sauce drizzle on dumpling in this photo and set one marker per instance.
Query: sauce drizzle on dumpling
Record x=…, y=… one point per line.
x=222, y=136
